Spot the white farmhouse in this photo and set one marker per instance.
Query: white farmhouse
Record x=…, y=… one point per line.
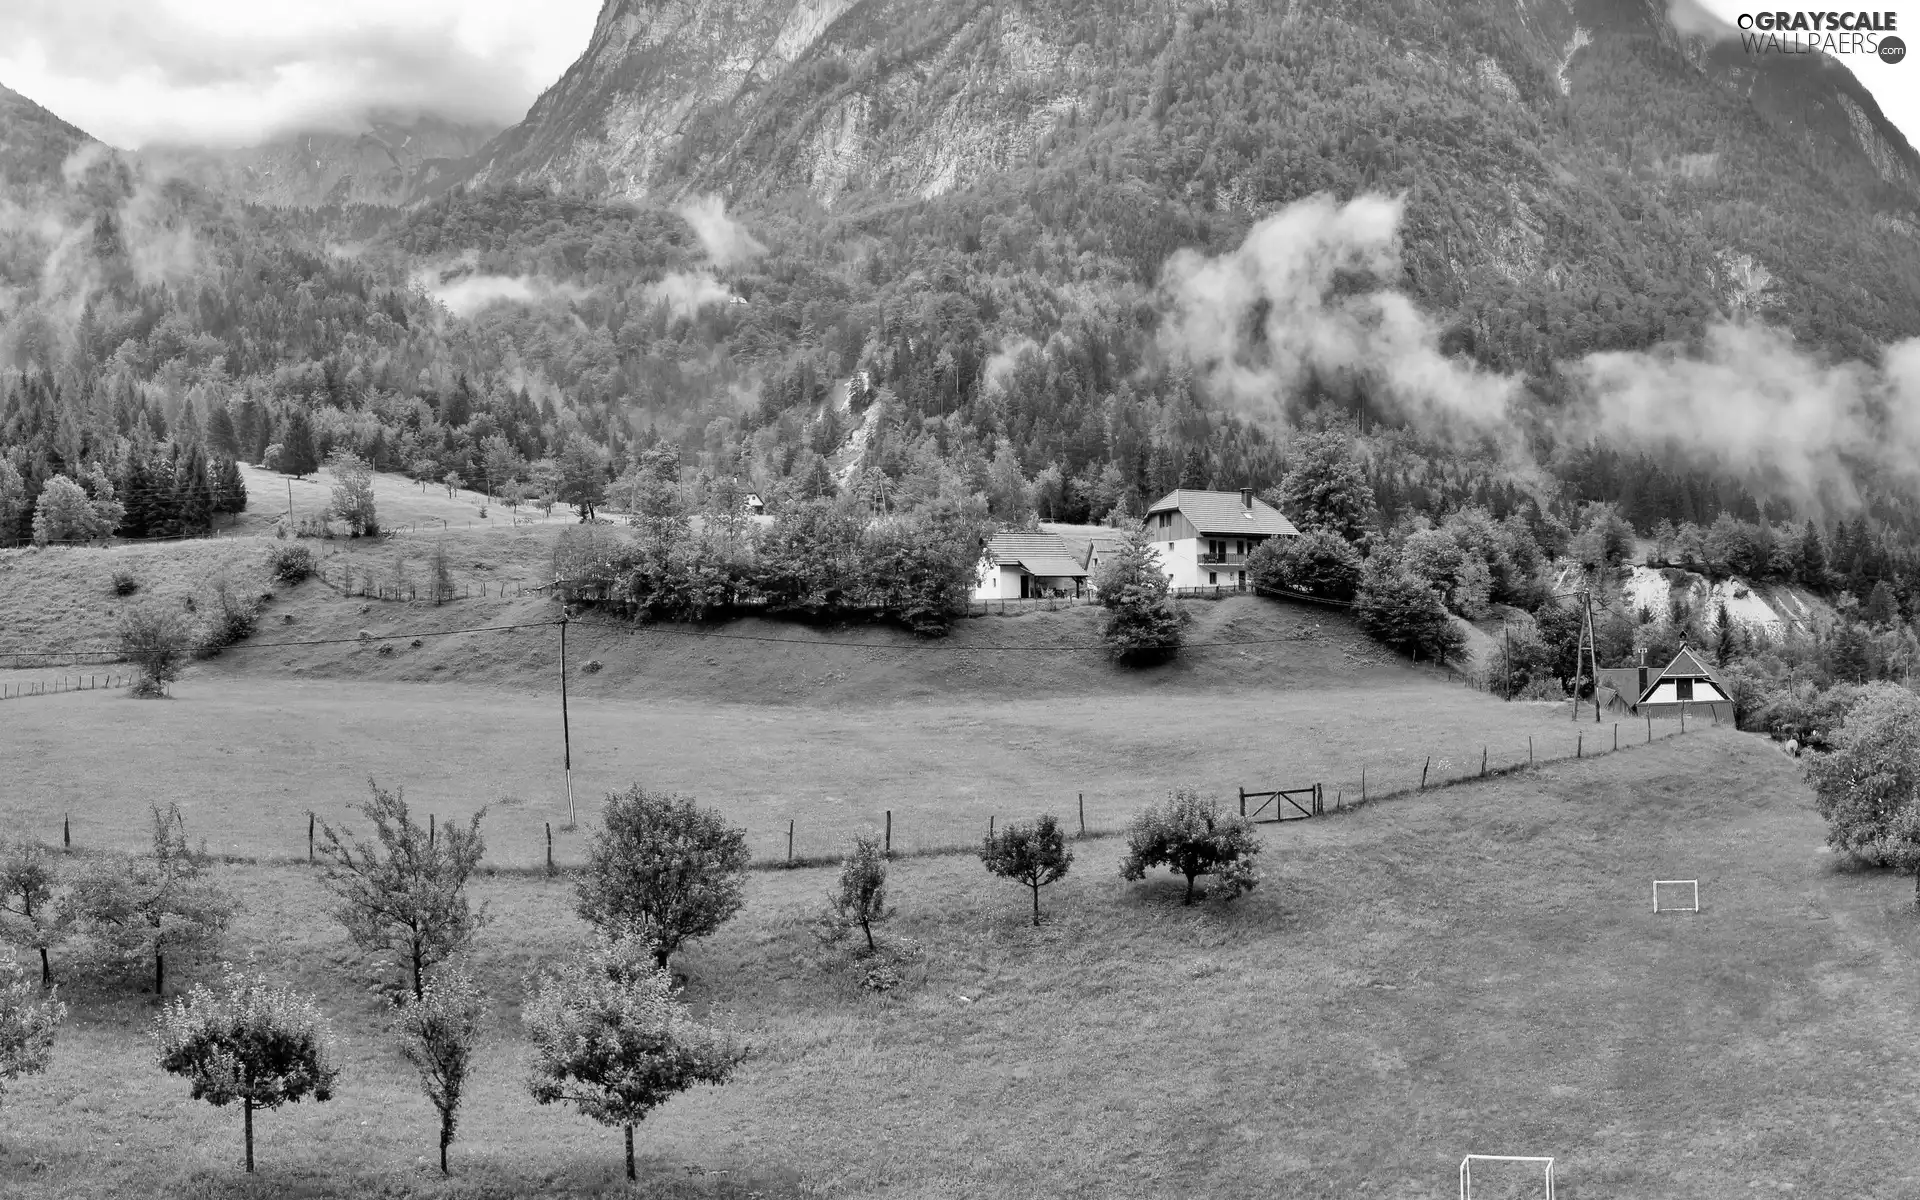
x=1027, y=565
x=1203, y=538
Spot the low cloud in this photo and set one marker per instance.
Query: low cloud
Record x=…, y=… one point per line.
x=687, y=292
x=725, y=240
x=231, y=73
x=465, y=295
x=1308, y=292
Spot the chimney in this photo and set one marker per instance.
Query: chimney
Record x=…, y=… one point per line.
x=1246, y=498
x=1643, y=670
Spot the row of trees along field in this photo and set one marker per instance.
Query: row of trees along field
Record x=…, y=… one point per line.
x=608, y=1031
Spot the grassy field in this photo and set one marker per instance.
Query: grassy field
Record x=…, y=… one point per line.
x=247, y=756
x=1474, y=969
x=400, y=502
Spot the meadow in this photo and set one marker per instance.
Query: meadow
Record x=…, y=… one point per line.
x=1472, y=969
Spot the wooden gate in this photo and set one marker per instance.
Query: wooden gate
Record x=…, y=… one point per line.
x=1304, y=802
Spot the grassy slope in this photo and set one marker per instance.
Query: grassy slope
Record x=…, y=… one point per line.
x=1474, y=969
x=401, y=503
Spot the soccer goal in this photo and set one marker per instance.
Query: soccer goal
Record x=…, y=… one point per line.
x=1532, y=1168
x=1676, y=895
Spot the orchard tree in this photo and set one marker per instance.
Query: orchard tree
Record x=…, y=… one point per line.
x=147, y=909
x=1141, y=624
x=1193, y=837
x=28, y=1017
x=611, y=1037
x=438, y=1031
x=249, y=1042
x=31, y=915
x=663, y=866
x=859, y=896
x=1034, y=854
x=405, y=893
x=1868, y=787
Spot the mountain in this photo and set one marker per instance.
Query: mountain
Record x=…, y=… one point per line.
x=394, y=161
x=36, y=147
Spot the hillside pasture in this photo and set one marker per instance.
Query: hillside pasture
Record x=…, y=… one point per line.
x=1470, y=970
x=400, y=502
x=248, y=755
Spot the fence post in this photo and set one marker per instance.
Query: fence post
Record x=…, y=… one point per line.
x=1483, y=761
x=66, y=832
x=789, y=841
x=889, y=843
x=1529, y=751
x=1577, y=746
x=549, y=825
x=1683, y=718
x=1083, y=814
x=989, y=828
x=1423, y=773
x=1363, y=783
x=1243, y=802
x=1649, y=727
x=430, y=831
x=1616, y=735
x=309, y=837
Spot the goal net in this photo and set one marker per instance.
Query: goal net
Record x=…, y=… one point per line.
x=1676, y=895
x=1505, y=1177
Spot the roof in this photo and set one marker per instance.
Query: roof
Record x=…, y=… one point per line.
x=1222, y=512
x=1685, y=665
x=1036, y=553
x=1083, y=541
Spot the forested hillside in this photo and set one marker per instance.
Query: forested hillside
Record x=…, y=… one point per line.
x=1058, y=255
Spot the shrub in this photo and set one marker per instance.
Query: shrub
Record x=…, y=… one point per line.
x=1035, y=854
x=1868, y=788
x=124, y=583
x=1320, y=563
x=290, y=564
x=1193, y=837
x=247, y=1041
x=1406, y=614
x=234, y=619
x=155, y=640
x=29, y=1015
x=33, y=912
x=662, y=866
x=141, y=910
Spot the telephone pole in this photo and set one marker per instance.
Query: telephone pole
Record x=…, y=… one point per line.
x=566, y=733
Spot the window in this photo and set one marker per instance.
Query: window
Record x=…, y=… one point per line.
x=1212, y=578
x=1683, y=689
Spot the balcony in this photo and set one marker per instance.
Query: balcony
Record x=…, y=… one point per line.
x=1222, y=560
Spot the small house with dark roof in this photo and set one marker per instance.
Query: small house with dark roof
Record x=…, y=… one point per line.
x=1023, y=566
x=1203, y=538
x=1685, y=685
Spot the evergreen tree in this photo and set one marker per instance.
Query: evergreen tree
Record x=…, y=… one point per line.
x=229, y=488
x=193, y=494
x=1810, y=567
x=136, y=491
x=221, y=435
x=299, y=457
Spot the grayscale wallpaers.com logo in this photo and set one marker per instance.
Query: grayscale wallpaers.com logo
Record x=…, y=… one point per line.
x=1822, y=33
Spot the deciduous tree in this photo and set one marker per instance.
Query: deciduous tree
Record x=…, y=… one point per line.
x=1868, y=787
x=611, y=1038
x=1035, y=854
x=437, y=1032
x=31, y=915
x=1193, y=837
x=405, y=893
x=29, y=1015
x=353, y=493
x=249, y=1042
x=859, y=896
x=140, y=909
x=661, y=865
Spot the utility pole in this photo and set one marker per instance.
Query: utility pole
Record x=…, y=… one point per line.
x=566, y=733
x=289, y=500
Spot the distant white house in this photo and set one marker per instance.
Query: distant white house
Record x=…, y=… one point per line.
x=1020, y=566
x=1203, y=538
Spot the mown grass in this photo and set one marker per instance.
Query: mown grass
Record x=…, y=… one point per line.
x=247, y=757
x=1474, y=969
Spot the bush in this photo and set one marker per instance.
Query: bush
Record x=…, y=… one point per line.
x=290, y=564
x=124, y=583
x=1320, y=564
x=1868, y=789
x=1193, y=837
x=1406, y=614
x=155, y=640
x=233, y=620
x=662, y=866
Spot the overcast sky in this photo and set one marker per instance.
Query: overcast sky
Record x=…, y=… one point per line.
x=1895, y=85
x=235, y=72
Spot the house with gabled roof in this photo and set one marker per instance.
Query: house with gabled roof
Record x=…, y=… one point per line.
x=1686, y=684
x=1025, y=565
x=1203, y=538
